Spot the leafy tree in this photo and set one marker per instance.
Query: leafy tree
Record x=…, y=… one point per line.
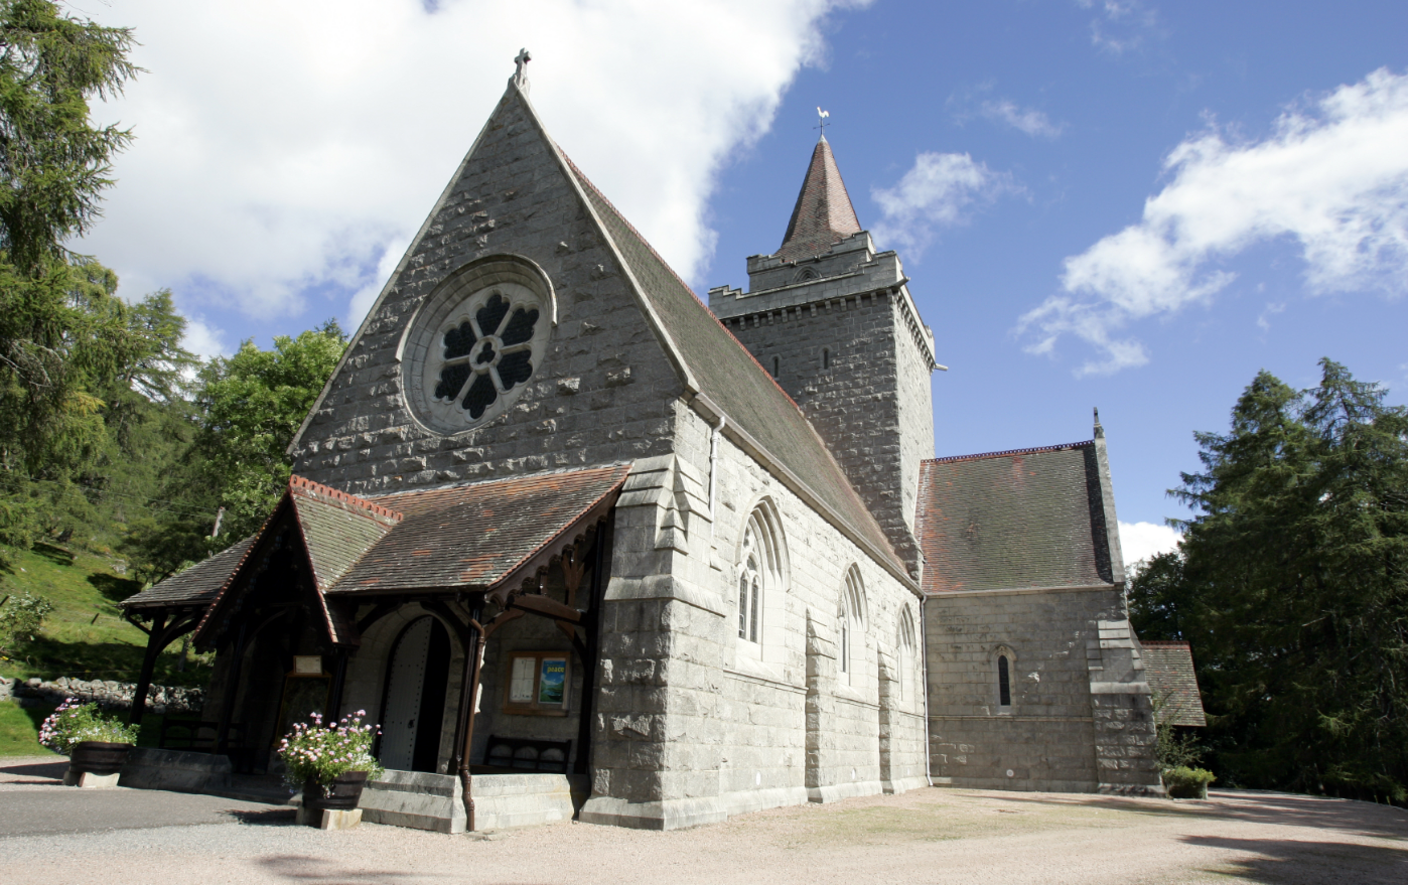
x=59, y=317
x=250, y=406
x=1293, y=588
x=54, y=162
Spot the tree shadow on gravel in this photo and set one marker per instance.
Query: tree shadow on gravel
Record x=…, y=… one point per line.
x=1294, y=863
x=1283, y=809
x=322, y=871
x=273, y=817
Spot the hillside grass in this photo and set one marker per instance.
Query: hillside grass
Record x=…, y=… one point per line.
x=85, y=636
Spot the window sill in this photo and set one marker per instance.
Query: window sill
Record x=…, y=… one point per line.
x=758, y=669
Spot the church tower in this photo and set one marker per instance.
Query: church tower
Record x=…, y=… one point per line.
x=832, y=320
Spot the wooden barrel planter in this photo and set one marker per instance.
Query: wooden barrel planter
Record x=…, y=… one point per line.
x=342, y=794
x=98, y=757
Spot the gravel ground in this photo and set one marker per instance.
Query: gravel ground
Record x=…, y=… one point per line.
x=925, y=836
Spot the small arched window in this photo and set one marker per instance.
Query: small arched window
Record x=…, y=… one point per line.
x=826, y=358
x=1004, y=682
x=905, y=644
x=750, y=587
x=776, y=367
x=852, y=618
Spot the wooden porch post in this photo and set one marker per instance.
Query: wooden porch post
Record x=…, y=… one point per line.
x=339, y=679
x=232, y=687
x=156, y=641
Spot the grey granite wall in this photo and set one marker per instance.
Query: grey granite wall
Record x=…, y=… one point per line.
x=603, y=392
x=1076, y=720
x=852, y=366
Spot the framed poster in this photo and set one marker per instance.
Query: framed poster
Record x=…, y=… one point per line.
x=539, y=683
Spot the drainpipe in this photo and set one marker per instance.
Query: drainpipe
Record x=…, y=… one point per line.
x=469, y=701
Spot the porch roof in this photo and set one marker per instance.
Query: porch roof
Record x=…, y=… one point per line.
x=481, y=535
x=197, y=585
x=470, y=537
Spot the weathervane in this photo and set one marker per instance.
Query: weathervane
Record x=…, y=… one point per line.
x=520, y=74
x=822, y=117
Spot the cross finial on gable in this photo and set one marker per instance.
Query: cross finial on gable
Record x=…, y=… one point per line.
x=520, y=74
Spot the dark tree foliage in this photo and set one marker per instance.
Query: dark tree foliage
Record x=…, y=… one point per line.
x=1292, y=587
x=53, y=161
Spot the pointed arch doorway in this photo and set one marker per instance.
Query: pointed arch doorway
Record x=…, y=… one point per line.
x=413, y=709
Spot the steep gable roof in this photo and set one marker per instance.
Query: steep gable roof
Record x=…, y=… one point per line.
x=728, y=375
x=1018, y=519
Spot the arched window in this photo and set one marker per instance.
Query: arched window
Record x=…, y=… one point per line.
x=852, y=618
x=776, y=367
x=750, y=586
x=1004, y=665
x=904, y=642
x=760, y=584
x=826, y=357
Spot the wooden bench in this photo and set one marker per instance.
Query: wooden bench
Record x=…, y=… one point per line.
x=193, y=735
x=527, y=754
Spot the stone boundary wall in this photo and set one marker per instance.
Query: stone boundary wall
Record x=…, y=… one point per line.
x=107, y=694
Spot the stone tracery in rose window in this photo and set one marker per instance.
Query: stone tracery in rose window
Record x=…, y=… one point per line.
x=486, y=355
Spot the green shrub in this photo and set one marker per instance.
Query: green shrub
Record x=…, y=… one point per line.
x=1188, y=783
x=21, y=615
x=73, y=723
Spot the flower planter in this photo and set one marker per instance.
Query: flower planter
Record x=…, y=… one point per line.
x=98, y=757
x=342, y=794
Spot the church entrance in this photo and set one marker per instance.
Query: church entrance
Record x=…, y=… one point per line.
x=414, y=707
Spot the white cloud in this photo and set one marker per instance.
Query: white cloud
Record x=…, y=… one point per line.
x=202, y=340
x=1333, y=178
x=1027, y=120
x=934, y=194
x=284, y=150
x=1144, y=540
x=1120, y=26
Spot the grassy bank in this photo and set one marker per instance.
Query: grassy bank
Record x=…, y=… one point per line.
x=85, y=636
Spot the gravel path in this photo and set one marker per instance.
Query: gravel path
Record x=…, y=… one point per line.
x=925, y=836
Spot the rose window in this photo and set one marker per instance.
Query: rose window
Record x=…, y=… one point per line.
x=476, y=343
x=486, y=354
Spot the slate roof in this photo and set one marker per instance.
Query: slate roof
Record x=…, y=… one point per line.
x=823, y=215
x=1015, y=519
x=474, y=536
x=729, y=376
x=337, y=527
x=1174, y=683
x=196, y=585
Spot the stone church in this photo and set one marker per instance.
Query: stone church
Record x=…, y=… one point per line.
x=554, y=516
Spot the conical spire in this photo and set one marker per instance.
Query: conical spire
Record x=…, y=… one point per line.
x=823, y=215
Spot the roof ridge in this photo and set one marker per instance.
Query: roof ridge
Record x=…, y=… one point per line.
x=302, y=482
x=1032, y=451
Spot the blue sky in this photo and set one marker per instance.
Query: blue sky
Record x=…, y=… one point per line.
x=1131, y=205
